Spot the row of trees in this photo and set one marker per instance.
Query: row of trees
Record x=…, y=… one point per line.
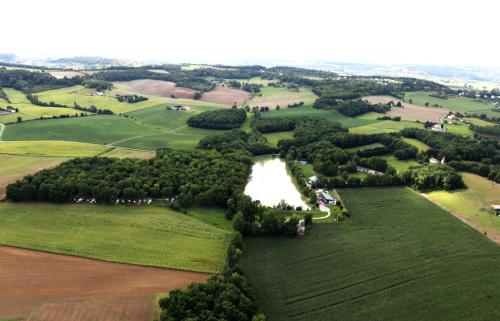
x=219, y=119
x=131, y=99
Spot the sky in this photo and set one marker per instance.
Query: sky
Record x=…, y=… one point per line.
x=437, y=32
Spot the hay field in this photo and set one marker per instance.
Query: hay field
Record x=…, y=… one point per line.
x=226, y=96
x=156, y=88
x=410, y=111
x=472, y=205
x=272, y=96
x=54, y=148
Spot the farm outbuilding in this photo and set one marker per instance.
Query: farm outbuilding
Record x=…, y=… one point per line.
x=327, y=198
x=496, y=208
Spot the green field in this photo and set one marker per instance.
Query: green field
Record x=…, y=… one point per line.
x=480, y=122
x=473, y=204
x=147, y=235
x=13, y=167
x=128, y=153
x=331, y=115
x=384, y=126
x=415, y=142
x=101, y=129
x=282, y=96
x=274, y=138
x=27, y=110
x=83, y=96
x=399, y=165
x=459, y=129
x=399, y=257
x=55, y=148
x=460, y=104
x=364, y=147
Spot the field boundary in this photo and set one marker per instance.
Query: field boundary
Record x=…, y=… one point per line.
x=100, y=260
x=464, y=221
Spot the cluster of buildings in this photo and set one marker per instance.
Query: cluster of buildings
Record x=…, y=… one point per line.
x=7, y=110
x=433, y=160
x=368, y=171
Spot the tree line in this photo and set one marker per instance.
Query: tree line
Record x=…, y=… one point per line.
x=349, y=108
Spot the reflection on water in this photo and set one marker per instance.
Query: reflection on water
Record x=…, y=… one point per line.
x=270, y=183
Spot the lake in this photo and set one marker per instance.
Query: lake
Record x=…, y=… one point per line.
x=270, y=183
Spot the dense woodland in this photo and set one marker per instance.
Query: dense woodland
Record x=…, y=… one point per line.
x=219, y=119
x=204, y=178
x=29, y=82
x=349, y=108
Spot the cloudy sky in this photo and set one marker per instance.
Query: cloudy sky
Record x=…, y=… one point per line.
x=234, y=31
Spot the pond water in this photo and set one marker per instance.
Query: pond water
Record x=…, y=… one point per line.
x=270, y=183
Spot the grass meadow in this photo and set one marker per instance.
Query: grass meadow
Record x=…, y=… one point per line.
x=272, y=96
x=14, y=167
x=421, y=146
x=83, y=96
x=146, y=235
x=460, y=104
x=27, y=110
x=399, y=257
x=473, y=204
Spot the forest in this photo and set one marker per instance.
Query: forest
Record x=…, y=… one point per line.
x=349, y=108
x=29, y=82
x=198, y=177
x=219, y=119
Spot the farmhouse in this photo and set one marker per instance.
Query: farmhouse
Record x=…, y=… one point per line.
x=312, y=179
x=496, y=208
x=326, y=198
x=183, y=108
x=98, y=93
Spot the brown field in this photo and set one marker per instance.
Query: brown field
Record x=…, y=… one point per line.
x=41, y=286
x=129, y=153
x=158, y=88
x=59, y=74
x=225, y=95
x=14, y=167
x=410, y=111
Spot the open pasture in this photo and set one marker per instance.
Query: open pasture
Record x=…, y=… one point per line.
x=410, y=111
x=472, y=205
x=421, y=146
x=157, y=88
x=64, y=288
x=273, y=96
x=83, y=97
x=59, y=74
x=226, y=96
x=460, y=104
x=399, y=257
x=274, y=138
x=399, y=165
x=13, y=168
x=27, y=110
x=146, y=235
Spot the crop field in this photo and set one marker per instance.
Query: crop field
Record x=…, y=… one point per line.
x=472, y=205
x=399, y=257
x=146, y=235
x=480, y=122
x=331, y=115
x=399, y=165
x=14, y=167
x=63, y=288
x=83, y=96
x=100, y=129
x=157, y=88
x=128, y=153
x=274, y=138
x=272, y=96
x=59, y=74
x=54, y=148
x=226, y=96
x=460, y=104
x=421, y=146
x=160, y=117
x=27, y=110
x=384, y=126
